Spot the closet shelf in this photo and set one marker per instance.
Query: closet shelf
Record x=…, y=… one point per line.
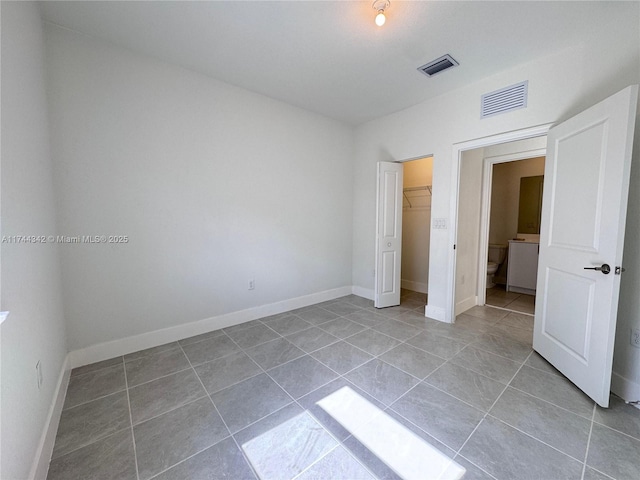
x=416, y=192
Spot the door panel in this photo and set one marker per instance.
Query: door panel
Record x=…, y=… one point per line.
x=583, y=178
x=567, y=323
x=388, y=272
x=583, y=222
x=388, y=235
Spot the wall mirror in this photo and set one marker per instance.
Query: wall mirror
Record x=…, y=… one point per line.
x=530, y=206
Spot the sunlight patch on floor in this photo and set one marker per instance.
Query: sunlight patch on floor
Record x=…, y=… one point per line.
x=399, y=448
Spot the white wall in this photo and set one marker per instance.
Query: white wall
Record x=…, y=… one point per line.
x=468, y=244
x=31, y=290
x=212, y=184
x=505, y=196
x=416, y=225
x=560, y=85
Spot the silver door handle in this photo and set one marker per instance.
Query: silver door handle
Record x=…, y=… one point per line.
x=389, y=244
x=604, y=268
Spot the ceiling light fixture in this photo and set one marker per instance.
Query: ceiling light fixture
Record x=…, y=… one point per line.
x=380, y=6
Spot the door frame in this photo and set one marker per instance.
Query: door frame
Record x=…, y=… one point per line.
x=458, y=149
x=485, y=210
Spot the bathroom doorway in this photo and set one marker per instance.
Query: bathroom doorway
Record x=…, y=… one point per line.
x=514, y=234
x=416, y=230
x=481, y=225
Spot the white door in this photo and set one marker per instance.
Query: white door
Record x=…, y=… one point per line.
x=583, y=221
x=388, y=234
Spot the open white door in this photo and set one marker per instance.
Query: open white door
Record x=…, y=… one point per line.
x=388, y=235
x=583, y=222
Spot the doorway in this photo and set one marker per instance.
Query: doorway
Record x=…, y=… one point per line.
x=416, y=229
x=515, y=208
x=489, y=186
x=399, y=272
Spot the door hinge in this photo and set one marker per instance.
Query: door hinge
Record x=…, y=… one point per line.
x=618, y=270
x=454, y=246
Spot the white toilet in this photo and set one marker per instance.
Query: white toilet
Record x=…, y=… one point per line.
x=497, y=253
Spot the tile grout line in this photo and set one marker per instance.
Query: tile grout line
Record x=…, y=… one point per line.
x=439, y=389
x=586, y=452
x=89, y=443
x=155, y=475
x=133, y=437
x=94, y=399
x=151, y=354
x=71, y=375
x=536, y=438
x=603, y=474
x=494, y=403
x=504, y=308
x=172, y=409
x=472, y=344
x=472, y=463
x=637, y=439
x=308, y=467
x=219, y=415
x=266, y=372
x=158, y=378
x=548, y=402
x=476, y=371
x=316, y=349
x=93, y=372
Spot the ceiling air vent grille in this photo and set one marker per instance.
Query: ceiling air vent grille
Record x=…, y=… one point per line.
x=504, y=100
x=438, y=65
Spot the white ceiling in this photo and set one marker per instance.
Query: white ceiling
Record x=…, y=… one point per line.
x=329, y=56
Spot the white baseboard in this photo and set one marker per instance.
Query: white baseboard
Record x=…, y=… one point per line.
x=415, y=286
x=466, y=304
x=626, y=389
x=437, y=313
x=123, y=346
x=363, y=292
x=40, y=466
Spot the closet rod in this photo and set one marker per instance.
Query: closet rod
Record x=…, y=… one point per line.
x=415, y=189
x=426, y=188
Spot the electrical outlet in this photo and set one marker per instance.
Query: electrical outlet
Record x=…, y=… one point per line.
x=635, y=337
x=39, y=374
x=252, y=284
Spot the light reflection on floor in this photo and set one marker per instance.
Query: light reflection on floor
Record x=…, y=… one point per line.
x=398, y=447
x=281, y=452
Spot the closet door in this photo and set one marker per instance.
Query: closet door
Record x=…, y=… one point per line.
x=388, y=235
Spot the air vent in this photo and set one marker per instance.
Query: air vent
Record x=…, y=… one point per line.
x=504, y=100
x=438, y=65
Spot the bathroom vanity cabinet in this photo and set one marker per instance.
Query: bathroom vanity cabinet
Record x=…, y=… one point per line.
x=522, y=270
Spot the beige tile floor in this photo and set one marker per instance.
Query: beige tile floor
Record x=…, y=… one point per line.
x=241, y=402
